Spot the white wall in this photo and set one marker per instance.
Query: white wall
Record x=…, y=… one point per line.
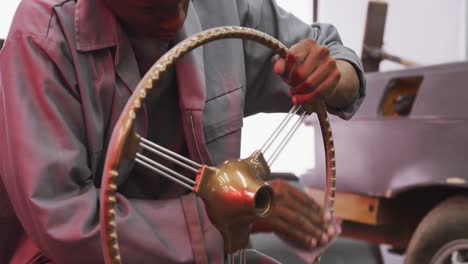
x=425, y=31
x=428, y=32
x=300, y=8
x=465, y=24
x=7, y=10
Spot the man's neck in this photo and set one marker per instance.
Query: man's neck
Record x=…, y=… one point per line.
x=147, y=51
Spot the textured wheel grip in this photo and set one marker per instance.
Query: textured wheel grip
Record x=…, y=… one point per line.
x=123, y=129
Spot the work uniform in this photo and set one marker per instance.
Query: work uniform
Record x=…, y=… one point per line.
x=66, y=71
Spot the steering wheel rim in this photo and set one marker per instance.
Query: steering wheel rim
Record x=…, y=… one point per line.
x=121, y=146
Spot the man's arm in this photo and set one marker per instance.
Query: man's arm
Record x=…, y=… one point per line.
x=265, y=91
x=311, y=71
x=317, y=62
x=45, y=166
x=347, y=90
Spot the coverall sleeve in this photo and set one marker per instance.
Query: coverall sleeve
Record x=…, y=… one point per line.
x=44, y=166
x=266, y=92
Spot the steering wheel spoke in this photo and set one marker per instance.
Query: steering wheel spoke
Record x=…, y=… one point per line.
x=243, y=180
x=170, y=155
x=165, y=171
x=287, y=138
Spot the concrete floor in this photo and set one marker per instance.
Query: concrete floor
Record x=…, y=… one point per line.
x=341, y=251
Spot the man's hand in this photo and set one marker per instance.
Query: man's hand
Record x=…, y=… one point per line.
x=297, y=218
x=310, y=70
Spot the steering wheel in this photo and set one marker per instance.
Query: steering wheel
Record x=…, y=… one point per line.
x=232, y=217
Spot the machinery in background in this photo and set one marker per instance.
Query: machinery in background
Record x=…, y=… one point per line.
x=372, y=51
x=402, y=161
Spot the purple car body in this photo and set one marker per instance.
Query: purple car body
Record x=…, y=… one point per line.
x=382, y=156
x=402, y=164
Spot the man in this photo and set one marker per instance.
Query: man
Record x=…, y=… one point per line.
x=68, y=68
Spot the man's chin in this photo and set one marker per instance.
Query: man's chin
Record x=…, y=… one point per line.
x=157, y=34
x=165, y=36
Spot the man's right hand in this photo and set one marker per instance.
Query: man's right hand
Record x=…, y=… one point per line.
x=297, y=218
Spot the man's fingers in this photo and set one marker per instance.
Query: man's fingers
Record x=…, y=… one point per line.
x=302, y=222
x=313, y=58
x=299, y=218
x=330, y=82
x=309, y=56
x=297, y=237
x=315, y=78
x=291, y=63
x=304, y=199
x=302, y=202
x=279, y=65
x=275, y=58
x=298, y=201
x=295, y=60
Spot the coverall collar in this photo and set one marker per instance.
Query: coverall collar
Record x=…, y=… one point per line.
x=95, y=26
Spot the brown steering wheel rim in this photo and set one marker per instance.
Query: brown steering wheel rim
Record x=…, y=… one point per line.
x=122, y=132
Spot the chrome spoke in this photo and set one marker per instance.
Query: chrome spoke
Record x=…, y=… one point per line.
x=280, y=128
x=162, y=173
x=169, y=152
x=242, y=256
x=230, y=258
x=286, y=139
x=166, y=156
x=164, y=168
